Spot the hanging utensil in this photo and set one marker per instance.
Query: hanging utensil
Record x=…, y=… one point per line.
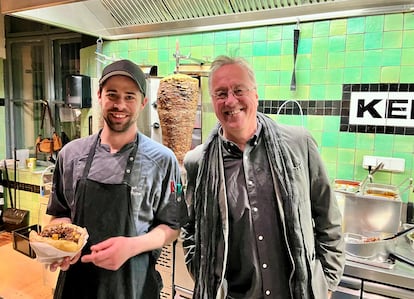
x=296, y=33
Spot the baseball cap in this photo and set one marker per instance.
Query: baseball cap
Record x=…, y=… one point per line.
x=125, y=68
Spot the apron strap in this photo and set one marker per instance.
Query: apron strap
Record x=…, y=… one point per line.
x=91, y=154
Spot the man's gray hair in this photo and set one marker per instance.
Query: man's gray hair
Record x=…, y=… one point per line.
x=225, y=60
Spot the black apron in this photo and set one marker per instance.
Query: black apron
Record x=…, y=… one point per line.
x=106, y=211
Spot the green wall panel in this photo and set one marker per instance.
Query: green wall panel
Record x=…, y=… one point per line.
x=372, y=49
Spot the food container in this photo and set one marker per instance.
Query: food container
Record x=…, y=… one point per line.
x=347, y=185
x=368, y=247
x=381, y=190
x=21, y=240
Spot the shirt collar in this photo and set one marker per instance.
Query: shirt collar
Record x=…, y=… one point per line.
x=231, y=147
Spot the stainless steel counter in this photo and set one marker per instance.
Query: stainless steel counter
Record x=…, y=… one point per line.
x=401, y=275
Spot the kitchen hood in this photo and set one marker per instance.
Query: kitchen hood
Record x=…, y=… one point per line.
x=124, y=19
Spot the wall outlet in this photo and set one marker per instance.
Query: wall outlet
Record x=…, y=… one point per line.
x=390, y=164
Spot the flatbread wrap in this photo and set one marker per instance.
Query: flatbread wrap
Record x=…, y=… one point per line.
x=63, y=236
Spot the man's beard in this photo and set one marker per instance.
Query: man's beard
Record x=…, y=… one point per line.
x=119, y=127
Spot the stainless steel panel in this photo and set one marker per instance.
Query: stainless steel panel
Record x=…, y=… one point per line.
x=372, y=289
x=370, y=215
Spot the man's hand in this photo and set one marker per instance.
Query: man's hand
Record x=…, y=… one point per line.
x=65, y=263
x=110, y=254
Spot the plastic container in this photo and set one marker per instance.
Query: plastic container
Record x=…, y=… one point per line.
x=21, y=156
x=21, y=240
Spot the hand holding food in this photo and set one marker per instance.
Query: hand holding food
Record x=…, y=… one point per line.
x=57, y=241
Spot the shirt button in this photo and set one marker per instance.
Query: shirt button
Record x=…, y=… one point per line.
x=264, y=266
x=260, y=238
x=267, y=292
x=250, y=183
x=255, y=209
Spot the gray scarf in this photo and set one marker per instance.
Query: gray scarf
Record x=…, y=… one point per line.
x=208, y=220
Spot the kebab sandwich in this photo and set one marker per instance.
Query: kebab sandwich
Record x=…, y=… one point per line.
x=63, y=236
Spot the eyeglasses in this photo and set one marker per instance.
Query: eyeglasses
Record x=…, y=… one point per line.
x=237, y=93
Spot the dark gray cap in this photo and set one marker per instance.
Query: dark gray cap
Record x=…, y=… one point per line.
x=125, y=68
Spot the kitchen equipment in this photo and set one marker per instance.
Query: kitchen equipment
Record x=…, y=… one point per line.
x=13, y=218
x=368, y=247
x=368, y=215
x=376, y=250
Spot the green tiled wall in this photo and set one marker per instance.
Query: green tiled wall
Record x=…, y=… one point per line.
x=372, y=49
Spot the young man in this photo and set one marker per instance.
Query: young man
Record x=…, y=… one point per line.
x=264, y=220
x=116, y=183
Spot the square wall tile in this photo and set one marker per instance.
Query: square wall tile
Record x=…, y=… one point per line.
x=374, y=23
x=259, y=34
x=321, y=28
x=354, y=58
x=391, y=57
x=373, y=58
x=404, y=144
x=352, y=75
x=305, y=45
x=336, y=44
x=365, y=141
x=408, y=21
x=390, y=74
x=354, y=42
x=346, y=156
x=338, y=27
x=331, y=124
x=393, y=22
x=406, y=74
x=287, y=31
x=371, y=74
x=274, y=33
x=373, y=40
x=356, y=25
x=329, y=155
x=273, y=48
x=408, y=39
x=393, y=39
x=306, y=30
x=246, y=35
x=317, y=91
x=330, y=139
x=344, y=171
